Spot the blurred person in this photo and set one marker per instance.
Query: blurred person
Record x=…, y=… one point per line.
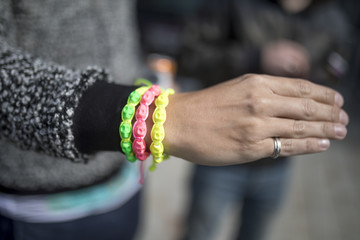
x=292, y=38
x=225, y=33
x=61, y=172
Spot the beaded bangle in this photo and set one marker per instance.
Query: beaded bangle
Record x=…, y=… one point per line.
x=139, y=129
x=125, y=127
x=158, y=131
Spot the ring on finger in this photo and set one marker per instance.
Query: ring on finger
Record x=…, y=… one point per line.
x=277, y=148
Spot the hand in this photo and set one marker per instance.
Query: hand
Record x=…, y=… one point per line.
x=235, y=122
x=285, y=58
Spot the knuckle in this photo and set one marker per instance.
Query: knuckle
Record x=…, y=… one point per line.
x=246, y=79
x=329, y=96
x=249, y=76
x=309, y=146
x=326, y=129
x=304, y=88
x=334, y=114
x=258, y=79
x=255, y=104
x=288, y=145
x=309, y=106
x=254, y=80
x=298, y=128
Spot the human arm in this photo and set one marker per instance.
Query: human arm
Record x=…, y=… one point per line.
x=230, y=123
x=39, y=97
x=19, y=67
x=39, y=100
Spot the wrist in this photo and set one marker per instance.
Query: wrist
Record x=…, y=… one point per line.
x=174, y=126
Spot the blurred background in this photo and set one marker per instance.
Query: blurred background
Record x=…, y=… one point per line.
x=192, y=44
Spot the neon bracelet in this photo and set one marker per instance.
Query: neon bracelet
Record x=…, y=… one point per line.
x=158, y=131
x=125, y=127
x=139, y=129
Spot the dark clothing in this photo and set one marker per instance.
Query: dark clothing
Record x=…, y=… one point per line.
x=224, y=39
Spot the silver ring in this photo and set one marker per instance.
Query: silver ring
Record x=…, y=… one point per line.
x=277, y=148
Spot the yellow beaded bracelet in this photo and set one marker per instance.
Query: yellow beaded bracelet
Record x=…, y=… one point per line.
x=158, y=131
x=125, y=128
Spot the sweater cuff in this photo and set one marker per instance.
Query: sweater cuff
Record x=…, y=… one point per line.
x=98, y=116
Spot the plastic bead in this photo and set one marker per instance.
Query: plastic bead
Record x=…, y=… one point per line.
x=156, y=148
x=131, y=157
x=158, y=132
x=159, y=115
x=148, y=97
x=139, y=145
x=139, y=129
x=127, y=112
x=126, y=146
x=134, y=97
x=142, y=112
x=125, y=130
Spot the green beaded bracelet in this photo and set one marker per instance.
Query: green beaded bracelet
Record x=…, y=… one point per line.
x=125, y=128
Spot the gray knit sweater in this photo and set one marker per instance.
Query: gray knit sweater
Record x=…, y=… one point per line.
x=46, y=48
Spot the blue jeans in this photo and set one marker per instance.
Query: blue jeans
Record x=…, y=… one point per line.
x=118, y=224
x=258, y=187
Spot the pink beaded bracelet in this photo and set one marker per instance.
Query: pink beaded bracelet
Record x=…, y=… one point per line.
x=139, y=129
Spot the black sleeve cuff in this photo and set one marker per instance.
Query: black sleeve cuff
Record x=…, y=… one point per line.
x=98, y=115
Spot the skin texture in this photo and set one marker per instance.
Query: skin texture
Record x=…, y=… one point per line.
x=234, y=122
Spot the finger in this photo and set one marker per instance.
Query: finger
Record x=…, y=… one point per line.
x=304, y=89
x=289, y=128
x=307, y=109
x=292, y=147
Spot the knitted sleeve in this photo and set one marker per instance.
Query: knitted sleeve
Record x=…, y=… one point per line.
x=38, y=100
x=43, y=105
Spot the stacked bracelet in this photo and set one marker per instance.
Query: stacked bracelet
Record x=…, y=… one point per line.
x=158, y=131
x=139, y=129
x=137, y=150
x=125, y=127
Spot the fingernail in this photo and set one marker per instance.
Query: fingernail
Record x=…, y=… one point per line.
x=340, y=131
x=344, y=118
x=339, y=100
x=324, y=144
